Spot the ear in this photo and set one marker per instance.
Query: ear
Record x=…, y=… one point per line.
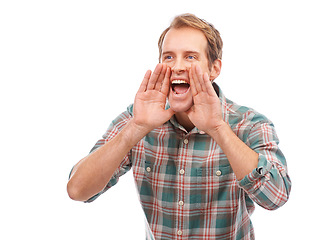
x=216, y=69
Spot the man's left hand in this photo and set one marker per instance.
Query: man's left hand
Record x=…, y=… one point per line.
x=206, y=113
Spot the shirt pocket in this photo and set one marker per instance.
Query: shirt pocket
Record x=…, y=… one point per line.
x=160, y=183
x=215, y=189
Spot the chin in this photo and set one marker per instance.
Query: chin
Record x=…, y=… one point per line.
x=179, y=107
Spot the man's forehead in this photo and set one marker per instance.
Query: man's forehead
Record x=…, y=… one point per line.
x=184, y=39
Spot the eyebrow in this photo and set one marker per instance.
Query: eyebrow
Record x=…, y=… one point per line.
x=188, y=52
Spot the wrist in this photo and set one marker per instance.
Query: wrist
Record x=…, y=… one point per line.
x=220, y=131
x=136, y=131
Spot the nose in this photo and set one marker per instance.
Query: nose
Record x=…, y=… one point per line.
x=179, y=66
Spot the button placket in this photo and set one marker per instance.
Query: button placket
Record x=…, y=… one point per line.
x=180, y=203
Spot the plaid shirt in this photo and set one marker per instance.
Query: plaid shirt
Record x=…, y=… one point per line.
x=187, y=187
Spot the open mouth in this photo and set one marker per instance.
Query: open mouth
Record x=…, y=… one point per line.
x=180, y=86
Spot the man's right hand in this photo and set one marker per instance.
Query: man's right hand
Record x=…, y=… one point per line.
x=149, y=104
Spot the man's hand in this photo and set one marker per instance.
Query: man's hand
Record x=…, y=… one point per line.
x=149, y=104
x=206, y=113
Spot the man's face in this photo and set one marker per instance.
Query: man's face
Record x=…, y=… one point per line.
x=181, y=48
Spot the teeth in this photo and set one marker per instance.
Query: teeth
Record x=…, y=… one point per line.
x=178, y=81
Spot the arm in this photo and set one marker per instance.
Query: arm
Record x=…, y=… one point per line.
x=259, y=165
x=242, y=159
x=92, y=173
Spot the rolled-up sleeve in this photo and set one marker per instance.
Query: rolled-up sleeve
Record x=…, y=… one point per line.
x=269, y=184
x=115, y=127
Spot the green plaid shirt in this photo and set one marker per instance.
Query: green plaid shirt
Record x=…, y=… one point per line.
x=187, y=187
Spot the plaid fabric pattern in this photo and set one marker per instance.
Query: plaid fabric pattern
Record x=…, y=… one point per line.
x=187, y=187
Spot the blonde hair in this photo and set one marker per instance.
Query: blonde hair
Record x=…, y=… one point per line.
x=214, y=41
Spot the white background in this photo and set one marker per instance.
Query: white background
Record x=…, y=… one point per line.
x=67, y=68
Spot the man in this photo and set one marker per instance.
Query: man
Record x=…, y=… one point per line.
x=199, y=160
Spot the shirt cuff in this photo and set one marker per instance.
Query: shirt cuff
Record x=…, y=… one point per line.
x=252, y=181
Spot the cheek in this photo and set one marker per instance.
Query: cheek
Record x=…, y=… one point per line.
x=169, y=64
x=205, y=68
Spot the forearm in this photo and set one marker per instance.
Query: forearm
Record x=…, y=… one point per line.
x=242, y=159
x=92, y=173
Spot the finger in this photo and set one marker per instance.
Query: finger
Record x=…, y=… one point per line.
x=154, y=77
x=166, y=83
x=192, y=83
x=195, y=78
x=161, y=77
x=208, y=84
x=144, y=83
x=200, y=77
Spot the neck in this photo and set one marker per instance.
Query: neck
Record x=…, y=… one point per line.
x=184, y=121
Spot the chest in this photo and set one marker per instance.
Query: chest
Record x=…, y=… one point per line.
x=169, y=166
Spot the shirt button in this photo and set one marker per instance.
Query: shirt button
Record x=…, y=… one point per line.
x=185, y=141
x=218, y=173
x=179, y=232
x=148, y=169
x=181, y=203
x=182, y=171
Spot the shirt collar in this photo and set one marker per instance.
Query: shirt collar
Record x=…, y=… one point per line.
x=177, y=125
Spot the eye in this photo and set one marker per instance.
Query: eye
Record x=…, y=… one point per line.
x=168, y=57
x=191, y=57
